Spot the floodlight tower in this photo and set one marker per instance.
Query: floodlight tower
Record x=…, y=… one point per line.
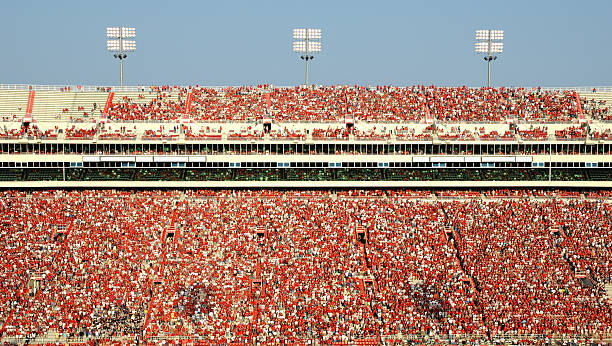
x=489, y=42
x=309, y=45
x=119, y=45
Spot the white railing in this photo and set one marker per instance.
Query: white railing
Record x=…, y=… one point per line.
x=71, y=88
x=583, y=89
x=88, y=88
x=141, y=88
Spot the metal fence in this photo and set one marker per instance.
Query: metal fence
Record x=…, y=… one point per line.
x=142, y=88
x=72, y=88
x=583, y=89
x=90, y=88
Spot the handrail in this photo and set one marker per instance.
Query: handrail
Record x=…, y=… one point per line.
x=582, y=89
x=92, y=88
x=440, y=339
x=137, y=88
x=80, y=120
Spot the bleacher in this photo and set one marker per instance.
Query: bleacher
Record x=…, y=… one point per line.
x=342, y=267
x=403, y=105
x=318, y=243
x=603, y=100
x=64, y=105
x=13, y=102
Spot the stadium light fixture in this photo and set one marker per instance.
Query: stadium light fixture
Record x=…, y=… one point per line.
x=119, y=45
x=489, y=43
x=307, y=43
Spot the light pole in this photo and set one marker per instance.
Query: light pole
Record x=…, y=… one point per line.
x=120, y=45
x=489, y=42
x=310, y=45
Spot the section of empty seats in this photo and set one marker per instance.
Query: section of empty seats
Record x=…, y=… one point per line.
x=48, y=104
x=13, y=104
x=52, y=106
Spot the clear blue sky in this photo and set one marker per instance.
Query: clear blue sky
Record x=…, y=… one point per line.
x=547, y=43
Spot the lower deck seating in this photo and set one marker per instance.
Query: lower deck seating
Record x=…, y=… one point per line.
x=274, y=266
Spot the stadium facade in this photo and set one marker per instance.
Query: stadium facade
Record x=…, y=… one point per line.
x=337, y=136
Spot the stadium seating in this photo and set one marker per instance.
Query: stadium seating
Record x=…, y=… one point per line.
x=314, y=266
x=13, y=104
x=367, y=104
x=597, y=105
x=526, y=278
x=321, y=104
x=320, y=114
x=273, y=266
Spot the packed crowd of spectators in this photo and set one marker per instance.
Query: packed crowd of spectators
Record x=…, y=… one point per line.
x=285, y=266
x=331, y=133
x=161, y=107
x=586, y=234
x=534, y=133
x=80, y=133
x=526, y=271
x=508, y=193
x=26, y=228
x=572, y=133
x=459, y=194
x=496, y=136
x=490, y=104
x=356, y=103
x=603, y=194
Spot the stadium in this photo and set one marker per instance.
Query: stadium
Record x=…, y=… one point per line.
x=307, y=214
